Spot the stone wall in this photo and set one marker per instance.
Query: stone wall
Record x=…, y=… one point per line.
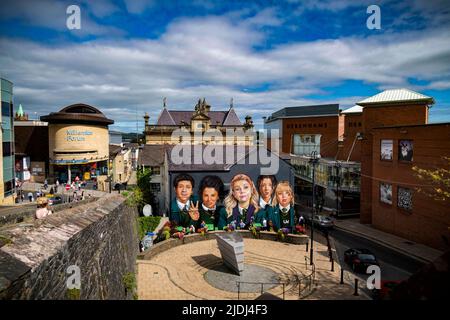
x=174, y=242
x=100, y=238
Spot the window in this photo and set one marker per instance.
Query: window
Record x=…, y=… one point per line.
x=386, y=149
x=304, y=144
x=7, y=149
x=386, y=193
x=155, y=187
x=405, y=150
x=155, y=171
x=8, y=187
x=404, y=198
x=6, y=109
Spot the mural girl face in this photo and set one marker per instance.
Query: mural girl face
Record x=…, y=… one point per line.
x=266, y=189
x=210, y=197
x=184, y=190
x=284, y=197
x=242, y=191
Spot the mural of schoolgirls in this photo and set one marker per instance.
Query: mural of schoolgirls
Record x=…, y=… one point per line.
x=266, y=185
x=241, y=204
x=184, y=208
x=210, y=190
x=282, y=214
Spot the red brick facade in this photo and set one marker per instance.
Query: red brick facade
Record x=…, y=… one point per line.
x=327, y=126
x=428, y=220
x=382, y=116
x=353, y=123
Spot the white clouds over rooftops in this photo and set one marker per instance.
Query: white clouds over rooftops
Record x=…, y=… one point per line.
x=215, y=57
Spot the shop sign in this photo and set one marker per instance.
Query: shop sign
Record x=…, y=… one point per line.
x=77, y=135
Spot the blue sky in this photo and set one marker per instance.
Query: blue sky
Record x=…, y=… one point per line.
x=266, y=55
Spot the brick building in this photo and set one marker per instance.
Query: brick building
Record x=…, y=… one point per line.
x=397, y=137
x=320, y=129
x=398, y=206
x=369, y=151
x=350, y=144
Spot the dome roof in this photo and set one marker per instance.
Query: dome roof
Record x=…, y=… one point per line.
x=78, y=113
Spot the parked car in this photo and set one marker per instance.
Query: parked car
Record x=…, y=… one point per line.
x=321, y=221
x=360, y=259
x=55, y=200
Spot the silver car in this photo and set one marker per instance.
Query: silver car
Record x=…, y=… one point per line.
x=323, y=221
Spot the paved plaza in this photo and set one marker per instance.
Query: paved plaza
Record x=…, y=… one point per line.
x=180, y=273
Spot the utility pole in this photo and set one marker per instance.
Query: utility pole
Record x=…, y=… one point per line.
x=313, y=160
x=338, y=181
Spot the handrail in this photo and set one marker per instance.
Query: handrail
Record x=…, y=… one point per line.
x=310, y=277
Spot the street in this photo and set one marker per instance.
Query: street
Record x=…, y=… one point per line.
x=393, y=265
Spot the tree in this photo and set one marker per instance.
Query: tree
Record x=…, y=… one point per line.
x=439, y=180
x=143, y=183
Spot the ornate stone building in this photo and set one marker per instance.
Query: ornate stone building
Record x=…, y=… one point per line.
x=201, y=126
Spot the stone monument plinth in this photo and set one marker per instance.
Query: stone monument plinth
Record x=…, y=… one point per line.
x=231, y=246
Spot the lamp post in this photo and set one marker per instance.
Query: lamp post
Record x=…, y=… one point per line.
x=338, y=181
x=313, y=160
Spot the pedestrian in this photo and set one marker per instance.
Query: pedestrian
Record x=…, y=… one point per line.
x=301, y=221
x=42, y=210
x=30, y=196
x=45, y=184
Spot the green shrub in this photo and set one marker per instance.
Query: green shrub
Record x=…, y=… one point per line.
x=73, y=294
x=129, y=281
x=147, y=224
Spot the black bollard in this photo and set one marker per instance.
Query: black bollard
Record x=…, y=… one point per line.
x=356, y=288
x=332, y=264
x=342, y=276
x=307, y=244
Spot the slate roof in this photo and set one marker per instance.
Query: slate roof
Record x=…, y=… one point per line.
x=226, y=149
x=175, y=118
x=151, y=155
x=306, y=111
x=114, y=150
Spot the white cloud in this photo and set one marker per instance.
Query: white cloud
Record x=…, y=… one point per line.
x=213, y=57
x=138, y=6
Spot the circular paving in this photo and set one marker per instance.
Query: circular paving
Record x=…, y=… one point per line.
x=252, y=279
x=195, y=271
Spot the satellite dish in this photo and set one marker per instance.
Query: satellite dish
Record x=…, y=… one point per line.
x=147, y=210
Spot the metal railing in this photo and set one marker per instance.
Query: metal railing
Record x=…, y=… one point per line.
x=238, y=283
x=308, y=281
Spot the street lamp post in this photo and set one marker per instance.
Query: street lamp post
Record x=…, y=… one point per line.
x=313, y=160
x=338, y=181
